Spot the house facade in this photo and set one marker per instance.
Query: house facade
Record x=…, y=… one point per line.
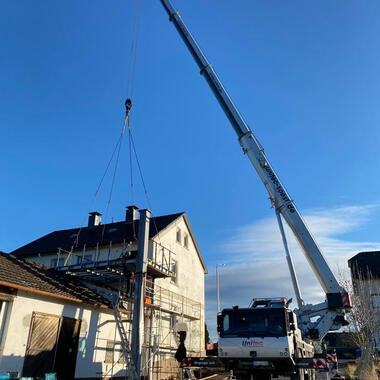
x=103, y=258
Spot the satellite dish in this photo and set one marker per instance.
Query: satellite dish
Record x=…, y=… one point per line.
x=180, y=326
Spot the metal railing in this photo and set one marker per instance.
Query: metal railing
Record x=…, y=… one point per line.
x=160, y=257
x=172, y=302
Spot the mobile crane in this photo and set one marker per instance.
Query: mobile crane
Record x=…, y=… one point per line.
x=308, y=323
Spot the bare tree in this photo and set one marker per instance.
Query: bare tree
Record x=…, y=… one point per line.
x=364, y=320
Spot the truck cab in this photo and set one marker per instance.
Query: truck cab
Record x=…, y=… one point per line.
x=261, y=338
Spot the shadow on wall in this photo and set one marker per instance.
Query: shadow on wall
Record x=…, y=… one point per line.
x=86, y=365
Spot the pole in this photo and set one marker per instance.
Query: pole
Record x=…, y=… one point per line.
x=217, y=290
x=217, y=287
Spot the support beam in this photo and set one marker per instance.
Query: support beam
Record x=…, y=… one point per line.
x=138, y=306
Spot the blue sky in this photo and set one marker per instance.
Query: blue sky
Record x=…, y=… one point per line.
x=305, y=76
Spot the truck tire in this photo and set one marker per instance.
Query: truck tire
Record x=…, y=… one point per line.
x=299, y=375
x=310, y=374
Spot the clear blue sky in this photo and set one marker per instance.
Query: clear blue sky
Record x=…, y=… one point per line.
x=305, y=75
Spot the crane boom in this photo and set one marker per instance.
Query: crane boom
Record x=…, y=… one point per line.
x=278, y=194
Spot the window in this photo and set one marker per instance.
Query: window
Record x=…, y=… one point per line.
x=61, y=262
x=173, y=320
x=109, y=351
x=3, y=320
x=178, y=236
x=186, y=241
x=114, y=353
x=174, y=270
x=254, y=322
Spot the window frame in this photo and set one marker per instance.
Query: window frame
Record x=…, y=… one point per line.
x=174, y=278
x=186, y=240
x=178, y=236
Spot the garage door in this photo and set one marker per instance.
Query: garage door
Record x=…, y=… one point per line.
x=52, y=346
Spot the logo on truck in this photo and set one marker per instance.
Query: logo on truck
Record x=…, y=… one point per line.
x=252, y=343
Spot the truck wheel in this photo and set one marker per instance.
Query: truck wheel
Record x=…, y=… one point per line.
x=299, y=375
x=310, y=374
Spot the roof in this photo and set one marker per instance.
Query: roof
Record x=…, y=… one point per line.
x=366, y=264
x=113, y=232
x=20, y=274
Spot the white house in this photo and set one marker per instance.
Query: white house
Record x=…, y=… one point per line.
x=103, y=259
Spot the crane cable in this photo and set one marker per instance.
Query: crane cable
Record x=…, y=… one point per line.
x=130, y=89
x=132, y=144
x=137, y=11
x=115, y=150
x=132, y=147
x=128, y=106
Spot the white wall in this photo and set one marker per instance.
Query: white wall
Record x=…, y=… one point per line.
x=190, y=276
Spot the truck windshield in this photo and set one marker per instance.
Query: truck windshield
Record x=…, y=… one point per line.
x=253, y=322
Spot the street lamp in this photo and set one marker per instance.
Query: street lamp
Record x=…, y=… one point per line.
x=217, y=286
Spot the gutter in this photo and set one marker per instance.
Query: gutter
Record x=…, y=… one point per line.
x=54, y=295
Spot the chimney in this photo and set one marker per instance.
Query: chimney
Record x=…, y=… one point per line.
x=94, y=219
x=131, y=214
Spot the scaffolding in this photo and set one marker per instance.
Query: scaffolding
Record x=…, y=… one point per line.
x=163, y=308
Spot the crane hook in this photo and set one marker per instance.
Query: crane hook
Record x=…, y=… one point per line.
x=128, y=105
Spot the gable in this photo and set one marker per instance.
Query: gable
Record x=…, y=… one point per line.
x=172, y=229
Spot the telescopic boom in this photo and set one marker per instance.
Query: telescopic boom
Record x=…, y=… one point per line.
x=279, y=196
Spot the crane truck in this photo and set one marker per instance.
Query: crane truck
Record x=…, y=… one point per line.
x=268, y=338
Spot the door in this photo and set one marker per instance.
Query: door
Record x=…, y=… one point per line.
x=52, y=346
x=42, y=343
x=67, y=349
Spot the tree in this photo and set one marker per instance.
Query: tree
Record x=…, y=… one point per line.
x=207, y=335
x=364, y=320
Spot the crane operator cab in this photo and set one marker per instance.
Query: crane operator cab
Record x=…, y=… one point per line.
x=261, y=337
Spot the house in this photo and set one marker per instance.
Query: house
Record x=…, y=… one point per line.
x=365, y=275
x=50, y=323
x=104, y=257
